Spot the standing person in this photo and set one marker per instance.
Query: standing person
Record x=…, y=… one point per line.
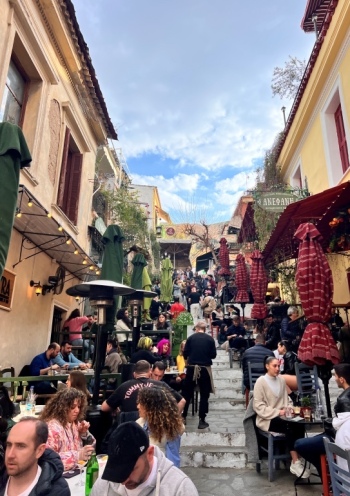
x=292, y=328
x=163, y=424
x=31, y=469
x=74, y=325
x=193, y=301
x=208, y=305
x=270, y=398
x=136, y=467
x=199, y=352
x=155, y=308
x=273, y=332
x=211, y=284
x=176, y=308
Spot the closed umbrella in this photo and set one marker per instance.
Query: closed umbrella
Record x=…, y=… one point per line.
x=14, y=155
x=139, y=262
x=147, y=286
x=241, y=280
x=224, y=258
x=315, y=286
x=166, y=283
x=258, y=285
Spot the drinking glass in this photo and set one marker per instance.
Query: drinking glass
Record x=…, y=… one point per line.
x=307, y=414
x=81, y=465
x=102, y=460
x=23, y=407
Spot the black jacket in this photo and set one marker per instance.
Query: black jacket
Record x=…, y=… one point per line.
x=273, y=336
x=289, y=360
x=256, y=353
x=51, y=482
x=200, y=349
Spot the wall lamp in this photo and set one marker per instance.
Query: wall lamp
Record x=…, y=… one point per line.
x=38, y=287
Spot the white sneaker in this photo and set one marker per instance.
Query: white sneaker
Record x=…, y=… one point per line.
x=297, y=469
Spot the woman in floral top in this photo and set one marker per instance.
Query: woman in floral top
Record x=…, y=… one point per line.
x=68, y=433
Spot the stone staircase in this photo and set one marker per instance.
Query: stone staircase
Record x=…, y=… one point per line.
x=222, y=445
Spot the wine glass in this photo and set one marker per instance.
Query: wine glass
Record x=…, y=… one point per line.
x=81, y=465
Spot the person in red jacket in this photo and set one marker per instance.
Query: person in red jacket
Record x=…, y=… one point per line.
x=176, y=308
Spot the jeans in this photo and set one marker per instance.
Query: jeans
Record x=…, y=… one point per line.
x=195, y=311
x=310, y=448
x=88, y=348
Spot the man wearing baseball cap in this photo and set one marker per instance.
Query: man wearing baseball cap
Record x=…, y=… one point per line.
x=135, y=467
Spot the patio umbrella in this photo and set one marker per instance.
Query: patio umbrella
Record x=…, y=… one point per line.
x=224, y=258
x=139, y=262
x=147, y=286
x=315, y=286
x=258, y=285
x=166, y=283
x=241, y=279
x=14, y=155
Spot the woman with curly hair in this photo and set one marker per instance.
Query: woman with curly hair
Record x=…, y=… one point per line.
x=68, y=433
x=145, y=351
x=160, y=417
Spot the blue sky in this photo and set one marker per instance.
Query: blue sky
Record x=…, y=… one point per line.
x=188, y=87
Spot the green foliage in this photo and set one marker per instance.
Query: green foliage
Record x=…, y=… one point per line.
x=285, y=273
x=126, y=212
x=155, y=248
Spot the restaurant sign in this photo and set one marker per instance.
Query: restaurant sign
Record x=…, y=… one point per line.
x=7, y=285
x=276, y=201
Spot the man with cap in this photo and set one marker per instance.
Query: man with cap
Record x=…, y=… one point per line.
x=134, y=464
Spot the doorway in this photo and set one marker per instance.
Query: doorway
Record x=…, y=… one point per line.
x=57, y=320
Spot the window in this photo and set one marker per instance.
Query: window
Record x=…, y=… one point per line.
x=69, y=185
x=12, y=104
x=343, y=147
x=296, y=180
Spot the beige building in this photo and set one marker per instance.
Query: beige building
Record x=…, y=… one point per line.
x=49, y=88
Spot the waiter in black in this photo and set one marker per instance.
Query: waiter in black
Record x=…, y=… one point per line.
x=199, y=351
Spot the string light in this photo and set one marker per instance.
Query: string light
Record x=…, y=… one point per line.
x=84, y=262
x=18, y=213
x=91, y=267
x=49, y=214
x=30, y=202
x=76, y=252
x=68, y=242
x=60, y=228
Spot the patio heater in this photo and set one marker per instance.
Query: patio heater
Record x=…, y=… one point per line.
x=136, y=302
x=100, y=294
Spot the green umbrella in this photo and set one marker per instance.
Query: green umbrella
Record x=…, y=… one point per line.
x=147, y=286
x=14, y=155
x=166, y=282
x=139, y=262
x=112, y=268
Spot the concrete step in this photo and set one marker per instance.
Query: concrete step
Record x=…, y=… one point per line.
x=227, y=405
x=229, y=394
x=224, y=384
x=221, y=373
x=213, y=456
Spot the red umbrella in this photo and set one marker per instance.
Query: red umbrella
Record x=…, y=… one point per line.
x=224, y=259
x=315, y=286
x=258, y=285
x=241, y=279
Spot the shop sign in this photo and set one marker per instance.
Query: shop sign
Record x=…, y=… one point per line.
x=7, y=284
x=276, y=201
x=170, y=231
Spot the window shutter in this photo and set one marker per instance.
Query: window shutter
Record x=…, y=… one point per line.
x=61, y=187
x=343, y=147
x=73, y=187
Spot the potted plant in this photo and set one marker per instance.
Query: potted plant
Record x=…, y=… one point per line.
x=305, y=410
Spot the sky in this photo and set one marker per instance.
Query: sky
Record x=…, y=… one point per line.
x=187, y=85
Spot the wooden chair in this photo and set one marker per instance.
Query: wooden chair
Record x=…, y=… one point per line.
x=255, y=370
x=340, y=477
x=8, y=372
x=275, y=447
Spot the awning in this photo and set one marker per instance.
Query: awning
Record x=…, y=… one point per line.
x=318, y=209
x=42, y=233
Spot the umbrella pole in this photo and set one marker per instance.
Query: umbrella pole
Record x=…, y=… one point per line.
x=325, y=373
x=136, y=306
x=101, y=343
x=243, y=307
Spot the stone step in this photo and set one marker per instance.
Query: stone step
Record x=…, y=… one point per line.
x=235, y=383
x=227, y=405
x=213, y=456
x=228, y=393
x=226, y=373
x=207, y=438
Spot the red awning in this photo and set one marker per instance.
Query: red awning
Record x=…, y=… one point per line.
x=318, y=209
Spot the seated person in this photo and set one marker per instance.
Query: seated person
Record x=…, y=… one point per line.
x=256, y=353
x=310, y=448
x=165, y=353
x=288, y=370
x=235, y=334
x=76, y=380
x=270, y=398
x=145, y=351
x=176, y=308
x=114, y=360
x=292, y=328
x=162, y=323
x=41, y=364
x=180, y=360
x=222, y=338
x=233, y=310
x=217, y=316
x=123, y=324
x=273, y=332
x=69, y=434
x=66, y=360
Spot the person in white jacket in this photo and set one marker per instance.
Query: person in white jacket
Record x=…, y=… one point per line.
x=134, y=464
x=341, y=424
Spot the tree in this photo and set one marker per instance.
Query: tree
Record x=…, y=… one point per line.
x=286, y=80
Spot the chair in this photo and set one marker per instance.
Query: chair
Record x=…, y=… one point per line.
x=339, y=468
x=255, y=370
x=274, y=445
x=9, y=385
x=307, y=380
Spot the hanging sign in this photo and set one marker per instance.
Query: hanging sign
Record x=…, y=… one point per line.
x=7, y=284
x=276, y=201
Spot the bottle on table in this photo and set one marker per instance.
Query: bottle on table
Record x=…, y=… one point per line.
x=91, y=474
x=30, y=400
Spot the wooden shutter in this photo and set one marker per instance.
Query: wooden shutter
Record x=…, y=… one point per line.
x=64, y=166
x=73, y=187
x=343, y=146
